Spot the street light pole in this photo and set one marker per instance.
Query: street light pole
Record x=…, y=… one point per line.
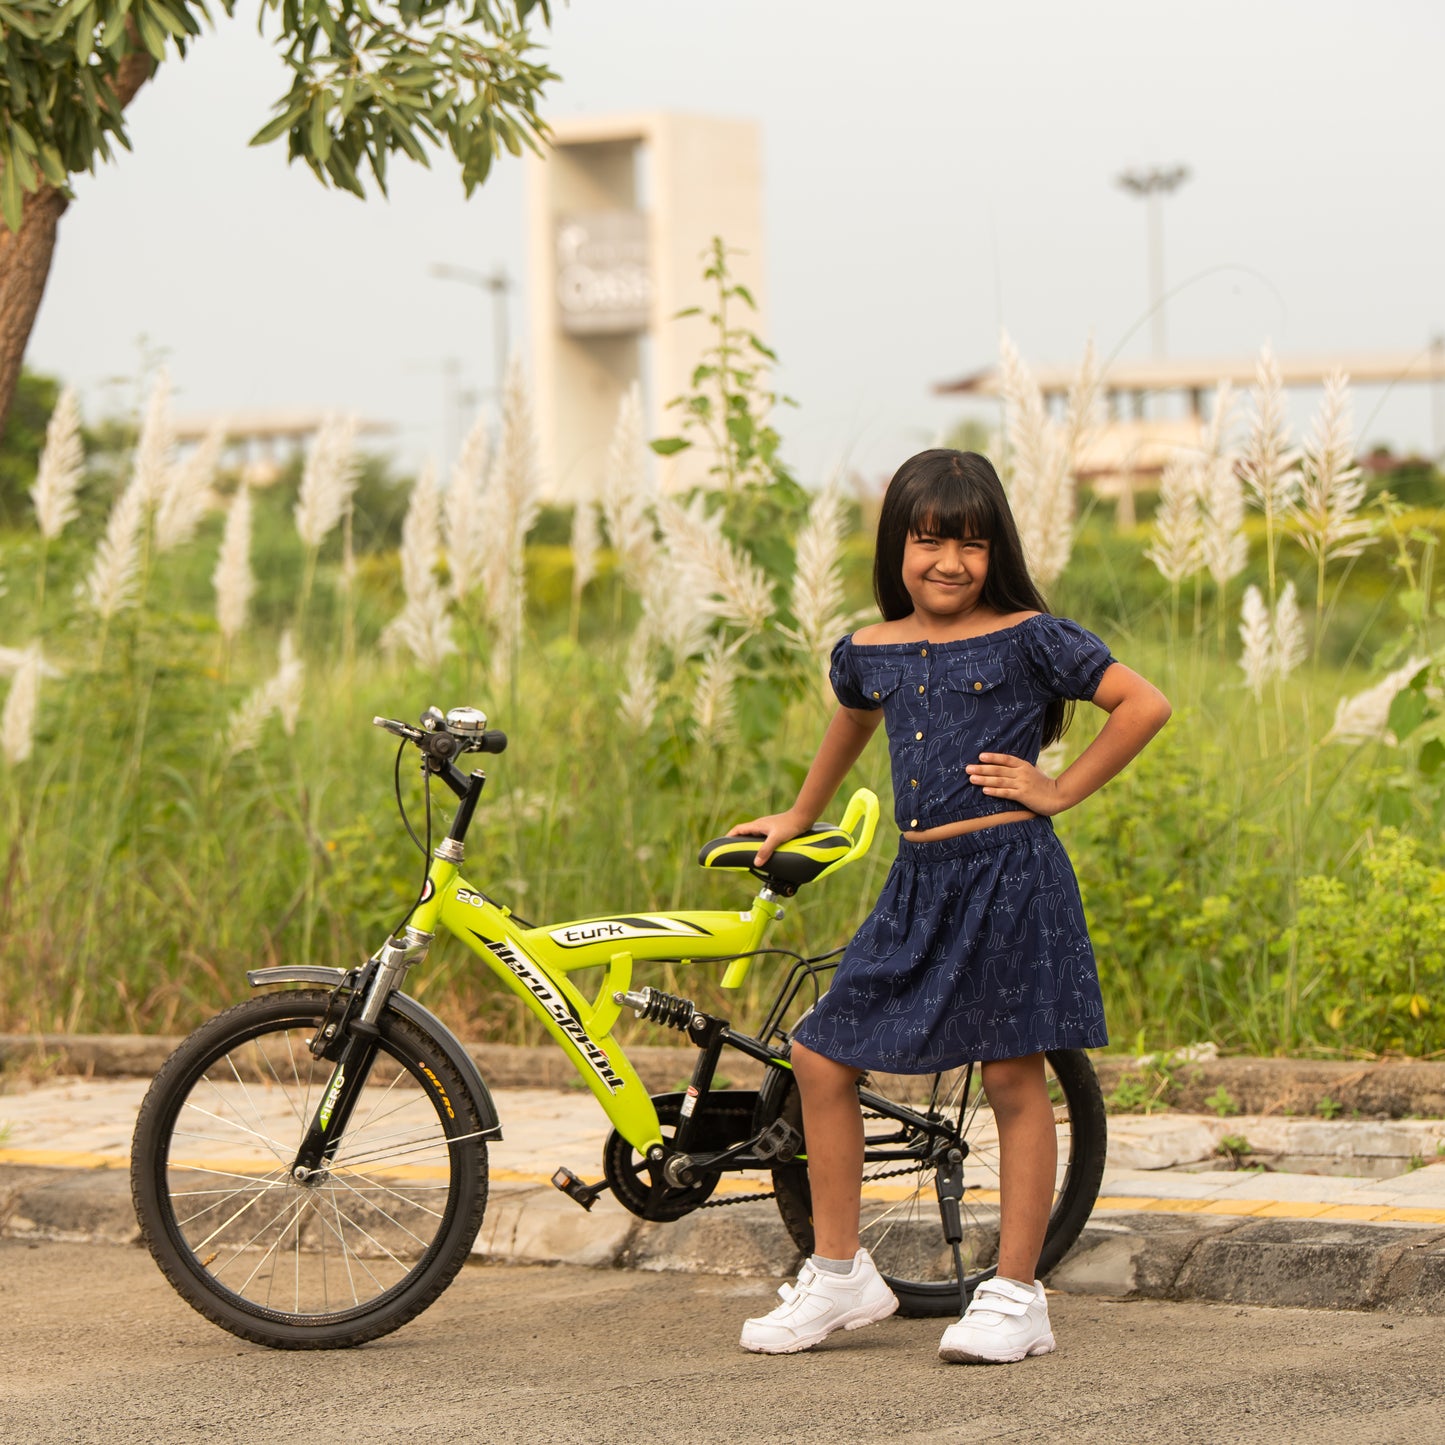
x=1152, y=185
x=499, y=283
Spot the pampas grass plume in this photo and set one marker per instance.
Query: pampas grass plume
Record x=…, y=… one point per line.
x=1289, y=633
x=637, y=702
x=423, y=626
x=233, y=579
x=110, y=584
x=155, y=447
x=1039, y=478
x=22, y=703
x=626, y=492
x=816, y=601
x=465, y=522
x=186, y=495
x=714, y=705
x=1257, y=635
x=1268, y=464
x=62, y=462
x=1366, y=716
x=736, y=589
x=585, y=539
x=288, y=683
x=1331, y=487
x=1178, y=546
x=328, y=479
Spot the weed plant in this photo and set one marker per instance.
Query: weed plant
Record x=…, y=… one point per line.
x=1251, y=879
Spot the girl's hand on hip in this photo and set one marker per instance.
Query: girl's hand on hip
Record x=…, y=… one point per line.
x=774, y=829
x=1002, y=776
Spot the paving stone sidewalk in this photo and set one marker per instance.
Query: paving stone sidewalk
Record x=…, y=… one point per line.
x=1169, y=1223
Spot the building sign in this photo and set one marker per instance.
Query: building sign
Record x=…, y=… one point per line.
x=604, y=284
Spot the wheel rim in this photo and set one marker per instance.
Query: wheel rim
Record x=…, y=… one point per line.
x=900, y=1222
x=328, y=1250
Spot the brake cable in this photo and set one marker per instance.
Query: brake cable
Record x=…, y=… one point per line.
x=425, y=847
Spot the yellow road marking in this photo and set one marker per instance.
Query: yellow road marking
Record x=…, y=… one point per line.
x=880, y=1190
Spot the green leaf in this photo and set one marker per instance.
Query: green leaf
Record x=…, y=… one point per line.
x=278, y=127
x=153, y=37
x=1432, y=754
x=318, y=132
x=12, y=201
x=1407, y=711
x=687, y=311
x=669, y=446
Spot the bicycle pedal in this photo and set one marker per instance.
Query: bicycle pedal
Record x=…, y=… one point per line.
x=573, y=1187
x=778, y=1141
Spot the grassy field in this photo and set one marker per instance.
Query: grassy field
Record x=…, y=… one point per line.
x=1249, y=880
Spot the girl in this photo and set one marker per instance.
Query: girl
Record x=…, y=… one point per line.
x=977, y=947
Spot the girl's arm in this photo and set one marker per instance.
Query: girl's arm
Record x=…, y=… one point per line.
x=1137, y=710
x=845, y=739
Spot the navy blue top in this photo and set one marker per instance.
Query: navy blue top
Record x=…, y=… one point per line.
x=944, y=703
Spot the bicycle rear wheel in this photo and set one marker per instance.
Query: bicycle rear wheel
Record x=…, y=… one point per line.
x=337, y=1261
x=901, y=1226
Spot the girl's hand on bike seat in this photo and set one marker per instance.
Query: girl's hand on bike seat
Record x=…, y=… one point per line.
x=776, y=828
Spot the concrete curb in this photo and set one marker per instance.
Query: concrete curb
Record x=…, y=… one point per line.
x=1393, y=1089
x=1279, y=1262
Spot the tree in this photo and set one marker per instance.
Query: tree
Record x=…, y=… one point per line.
x=369, y=78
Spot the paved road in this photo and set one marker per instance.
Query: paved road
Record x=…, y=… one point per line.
x=94, y=1346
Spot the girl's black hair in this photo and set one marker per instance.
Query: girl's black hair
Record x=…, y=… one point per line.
x=946, y=493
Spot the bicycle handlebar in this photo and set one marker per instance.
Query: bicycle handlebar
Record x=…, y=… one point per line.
x=442, y=738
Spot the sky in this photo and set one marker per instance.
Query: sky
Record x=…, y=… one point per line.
x=933, y=170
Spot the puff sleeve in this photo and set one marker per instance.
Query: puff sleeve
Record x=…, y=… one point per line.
x=1066, y=660
x=842, y=675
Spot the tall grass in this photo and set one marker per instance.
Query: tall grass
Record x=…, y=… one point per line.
x=203, y=793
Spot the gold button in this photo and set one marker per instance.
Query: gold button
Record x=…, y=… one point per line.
x=978, y=687
x=875, y=694
x=919, y=736
x=920, y=687
x=913, y=823
x=915, y=782
x=923, y=652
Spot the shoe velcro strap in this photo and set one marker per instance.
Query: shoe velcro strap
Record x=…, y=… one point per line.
x=996, y=1291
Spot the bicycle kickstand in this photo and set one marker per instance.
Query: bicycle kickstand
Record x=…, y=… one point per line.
x=948, y=1181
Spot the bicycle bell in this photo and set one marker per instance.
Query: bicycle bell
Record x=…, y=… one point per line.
x=467, y=722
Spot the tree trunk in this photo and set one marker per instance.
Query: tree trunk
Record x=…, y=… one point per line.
x=24, y=267
x=25, y=255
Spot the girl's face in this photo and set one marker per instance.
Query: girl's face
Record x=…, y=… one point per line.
x=944, y=576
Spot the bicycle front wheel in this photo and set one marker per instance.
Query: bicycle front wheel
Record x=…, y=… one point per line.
x=349, y=1255
x=901, y=1225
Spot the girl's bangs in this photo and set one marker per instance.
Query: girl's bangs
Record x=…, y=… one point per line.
x=944, y=509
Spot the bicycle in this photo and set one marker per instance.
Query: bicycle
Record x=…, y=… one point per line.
x=309, y=1167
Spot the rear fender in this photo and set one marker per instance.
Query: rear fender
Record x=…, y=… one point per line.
x=413, y=1013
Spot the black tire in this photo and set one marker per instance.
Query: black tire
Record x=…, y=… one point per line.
x=317, y=1266
x=901, y=1224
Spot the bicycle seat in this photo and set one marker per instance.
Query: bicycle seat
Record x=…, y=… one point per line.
x=798, y=861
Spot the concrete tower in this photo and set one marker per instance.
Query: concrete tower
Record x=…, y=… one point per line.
x=620, y=213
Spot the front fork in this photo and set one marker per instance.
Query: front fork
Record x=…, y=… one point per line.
x=362, y=1032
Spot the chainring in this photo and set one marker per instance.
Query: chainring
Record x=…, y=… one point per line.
x=724, y=1119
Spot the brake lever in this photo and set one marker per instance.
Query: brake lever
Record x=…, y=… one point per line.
x=399, y=729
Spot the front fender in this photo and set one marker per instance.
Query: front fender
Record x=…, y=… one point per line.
x=413, y=1013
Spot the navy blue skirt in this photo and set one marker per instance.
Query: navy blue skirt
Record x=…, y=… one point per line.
x=976, y=950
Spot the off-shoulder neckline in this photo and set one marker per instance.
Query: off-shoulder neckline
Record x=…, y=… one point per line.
x=952, y=642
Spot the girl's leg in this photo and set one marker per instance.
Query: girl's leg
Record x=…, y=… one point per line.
x=825, y=1299
x=1028, y=1158
x=833, y=1126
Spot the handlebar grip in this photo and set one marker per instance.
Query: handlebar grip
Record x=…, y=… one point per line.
x=494, y=740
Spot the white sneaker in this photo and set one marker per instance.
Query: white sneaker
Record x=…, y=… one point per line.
x=1003, y=1322
x=819, y=1304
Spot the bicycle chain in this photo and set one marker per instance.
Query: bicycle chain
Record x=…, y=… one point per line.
x=770, y=1194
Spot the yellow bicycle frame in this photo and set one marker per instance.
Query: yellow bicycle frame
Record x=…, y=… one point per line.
x=534, y=963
